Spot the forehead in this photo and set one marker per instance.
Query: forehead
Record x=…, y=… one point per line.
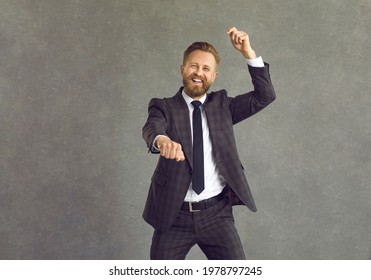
x=201, y=58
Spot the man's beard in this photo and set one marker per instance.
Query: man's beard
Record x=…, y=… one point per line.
x=195, y=91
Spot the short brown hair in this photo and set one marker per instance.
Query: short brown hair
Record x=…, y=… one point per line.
x=202, y=46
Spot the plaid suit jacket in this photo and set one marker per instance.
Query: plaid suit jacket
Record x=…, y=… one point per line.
x=170, y=116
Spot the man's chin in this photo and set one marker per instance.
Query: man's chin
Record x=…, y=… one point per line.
x=195, y=92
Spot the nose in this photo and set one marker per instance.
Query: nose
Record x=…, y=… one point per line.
x=199, y=71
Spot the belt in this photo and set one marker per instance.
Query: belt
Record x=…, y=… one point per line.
x=203, y=204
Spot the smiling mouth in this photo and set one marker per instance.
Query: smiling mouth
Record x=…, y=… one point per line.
x=197, y=81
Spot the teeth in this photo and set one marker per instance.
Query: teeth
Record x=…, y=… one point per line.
x=197, y=81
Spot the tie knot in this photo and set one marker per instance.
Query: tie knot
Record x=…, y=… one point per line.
x=196, y=103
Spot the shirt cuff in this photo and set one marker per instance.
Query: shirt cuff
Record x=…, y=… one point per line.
x=154, y=147
x=255, y=62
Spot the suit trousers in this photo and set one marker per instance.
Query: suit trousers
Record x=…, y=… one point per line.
x=212, y=229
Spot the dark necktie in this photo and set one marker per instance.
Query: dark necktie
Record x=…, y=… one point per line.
x=198, y=184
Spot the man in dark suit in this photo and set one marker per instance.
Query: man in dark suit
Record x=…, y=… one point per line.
x=199, y=175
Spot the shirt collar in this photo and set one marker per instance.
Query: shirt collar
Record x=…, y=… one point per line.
x=189, y=99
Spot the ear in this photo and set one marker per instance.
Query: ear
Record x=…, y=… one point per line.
x=215, y=74
x=181, y=69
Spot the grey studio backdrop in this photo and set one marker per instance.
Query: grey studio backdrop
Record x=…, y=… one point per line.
x=75, y=81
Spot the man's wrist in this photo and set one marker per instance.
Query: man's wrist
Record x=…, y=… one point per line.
x=249, y=53
x=155, y=142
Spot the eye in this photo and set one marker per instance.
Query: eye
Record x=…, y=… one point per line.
x=206, y=69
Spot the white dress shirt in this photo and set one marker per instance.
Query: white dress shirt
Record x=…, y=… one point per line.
x=214, y=182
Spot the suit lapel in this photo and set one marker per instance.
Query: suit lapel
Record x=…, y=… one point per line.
x=180, y=113
x=213, y=120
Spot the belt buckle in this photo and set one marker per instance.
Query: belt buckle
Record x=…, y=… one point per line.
x=191, y=208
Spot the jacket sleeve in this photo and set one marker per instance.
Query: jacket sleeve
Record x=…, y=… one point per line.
x=248, y=104
x=155, y=125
